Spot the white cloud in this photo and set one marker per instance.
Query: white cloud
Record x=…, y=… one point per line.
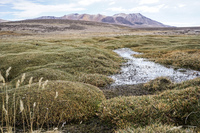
x=28, y=9
x=142, y=9
x=88, y=2
x=180, y=24
x=181, y=5
x=112, y=3
x=5, y=13
x=143, y=2
x=6, y=1
x=148, y=9
x=117, y=9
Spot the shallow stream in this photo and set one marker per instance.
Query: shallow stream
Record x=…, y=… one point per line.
x=140, y=70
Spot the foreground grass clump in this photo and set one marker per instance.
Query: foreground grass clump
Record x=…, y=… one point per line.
x=170, y=107
x=52, y=104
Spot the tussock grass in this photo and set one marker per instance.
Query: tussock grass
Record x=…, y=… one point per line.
x=158, y=84
x=54, y=103
x=95, y=79
x=8, y=48
x=179, y=51
x=63, y=63
x=46, y=73
x=189, y=83
x=183, y=59
x=169, y=107
x=90, y=60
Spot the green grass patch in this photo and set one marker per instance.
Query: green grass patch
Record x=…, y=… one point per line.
x=62, y=63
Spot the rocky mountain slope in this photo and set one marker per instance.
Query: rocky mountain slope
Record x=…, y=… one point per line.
x=133, y=20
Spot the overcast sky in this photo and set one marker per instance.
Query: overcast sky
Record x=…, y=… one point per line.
x=170, y=12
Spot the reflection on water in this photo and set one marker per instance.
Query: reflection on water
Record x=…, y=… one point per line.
x=140, y=70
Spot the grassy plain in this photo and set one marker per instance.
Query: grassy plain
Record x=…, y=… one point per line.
x=76, y=98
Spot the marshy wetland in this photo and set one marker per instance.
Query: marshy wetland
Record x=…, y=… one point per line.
x=62, y=80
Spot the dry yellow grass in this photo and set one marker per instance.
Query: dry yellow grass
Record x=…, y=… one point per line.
x=53, y=103
x=169, y=107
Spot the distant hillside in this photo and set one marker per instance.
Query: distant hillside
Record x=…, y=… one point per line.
x=137, y=19
x=63, y=26
x=86, y=17
x=1, y=20
x=133, y=20
x=48, y=17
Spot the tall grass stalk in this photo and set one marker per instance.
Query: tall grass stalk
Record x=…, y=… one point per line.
x=14, y=109
x=7, y=73
x=14, y=103
x=5, y=109
x=21, y=111
x=27, y=111
x=38, y=101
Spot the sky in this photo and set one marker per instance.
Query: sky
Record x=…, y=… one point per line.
x=178, y=13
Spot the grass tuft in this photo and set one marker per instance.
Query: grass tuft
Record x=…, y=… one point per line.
x=171, y=106
x=54, y=104
x=72, y=64
x=158, y=84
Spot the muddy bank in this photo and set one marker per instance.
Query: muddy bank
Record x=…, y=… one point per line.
x=140, y=70
x=125, y=90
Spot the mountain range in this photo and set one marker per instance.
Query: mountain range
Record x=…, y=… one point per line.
x=132, y=20
x=1, y=20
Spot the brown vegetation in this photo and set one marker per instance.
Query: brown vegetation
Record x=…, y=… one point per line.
x=75, y=66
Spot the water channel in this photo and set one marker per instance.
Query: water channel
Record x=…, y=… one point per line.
x=140, y=70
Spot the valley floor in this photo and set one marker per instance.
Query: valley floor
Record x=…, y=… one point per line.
x=60, y=79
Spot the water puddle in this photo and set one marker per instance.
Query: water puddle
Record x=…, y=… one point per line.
x=140, y=70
